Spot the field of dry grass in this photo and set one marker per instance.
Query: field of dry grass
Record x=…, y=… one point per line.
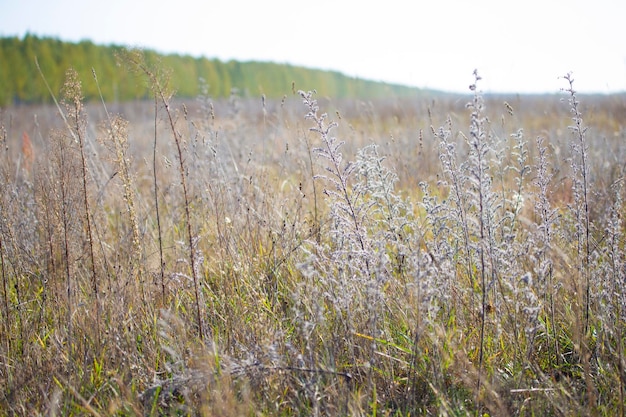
x=452, y=255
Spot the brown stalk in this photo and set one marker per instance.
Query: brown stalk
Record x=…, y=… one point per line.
x=160, y=94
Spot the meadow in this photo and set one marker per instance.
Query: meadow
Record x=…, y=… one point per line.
x=441, y=255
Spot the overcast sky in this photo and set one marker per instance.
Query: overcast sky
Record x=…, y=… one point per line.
x=518, y=46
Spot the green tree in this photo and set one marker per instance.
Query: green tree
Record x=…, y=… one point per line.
x=20, y=80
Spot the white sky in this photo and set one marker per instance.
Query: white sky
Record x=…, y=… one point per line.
x=518, y=46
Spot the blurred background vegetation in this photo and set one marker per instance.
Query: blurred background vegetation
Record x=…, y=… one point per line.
x=20, y=82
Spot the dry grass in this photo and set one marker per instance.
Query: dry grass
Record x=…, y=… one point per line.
x=222, y=258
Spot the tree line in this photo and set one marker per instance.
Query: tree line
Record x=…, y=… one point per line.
x=21, y=82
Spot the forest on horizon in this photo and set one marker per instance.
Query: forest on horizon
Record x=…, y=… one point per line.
x=21, y=82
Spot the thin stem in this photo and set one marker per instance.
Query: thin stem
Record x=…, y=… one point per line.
x=160, y=95
x=94, y=278
x=584, y=246
x=6, y=297
x=156, y=200
x=190, y=235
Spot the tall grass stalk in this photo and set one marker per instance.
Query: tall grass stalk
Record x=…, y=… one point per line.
x=580, y=167
x=136, y=59
x=5, y=298
x=73, y=94
x=157, y=212
x=63, y=168
x=580, y=210
x=117, y=142
x=479, y=185
x=547, y=218
x=5, y=278
x=109, y=120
